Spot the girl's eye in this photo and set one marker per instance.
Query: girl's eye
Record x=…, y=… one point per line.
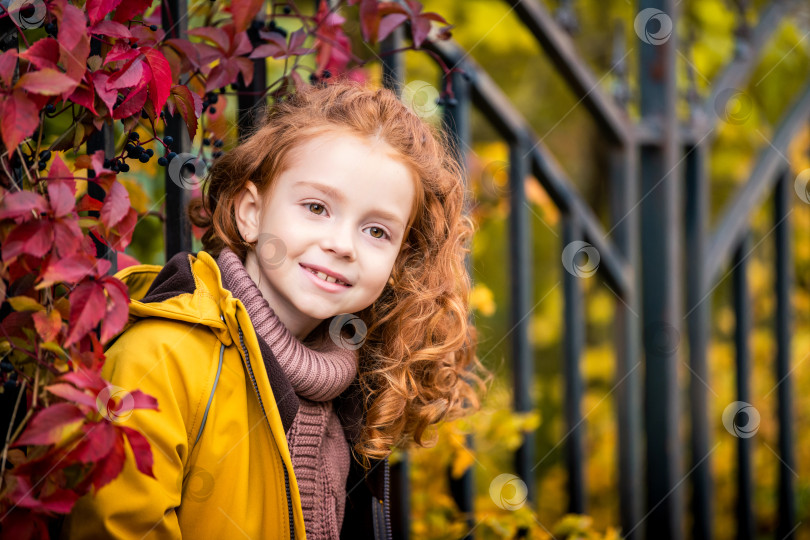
x=320, y=206
x=382, y=233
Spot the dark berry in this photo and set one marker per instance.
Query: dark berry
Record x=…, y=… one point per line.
x=107, y=163
x=206, y=141
x=256, y=25
x=162, y=161
x=205, y=104
x=41, y=165
x=134, y=135
x=440, y=101
x=144, y=115
x=219, y=143
x=171, y=155
x=287, y=10
x=124, y=167
x=144, y=158
x=312, y=78
x=50, y=108
x=150, y=152
x=6, y=366
x=153, y=27
x=135, y=152
x=452, y=102
x=9, y=386
x=51, y=28
x=222, y=90
x=129, y=147
x=161, y=114
x=326, y=74
x=115, y=167
x=134, y=46
x=169, y=140
x=45, y=155
x=216, y=154
x=212, y=110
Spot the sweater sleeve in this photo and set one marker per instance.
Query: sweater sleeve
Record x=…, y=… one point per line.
x=135, y=505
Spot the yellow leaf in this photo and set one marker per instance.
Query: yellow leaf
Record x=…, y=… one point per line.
x=25, y=303
x=137, y=196
x=482, y=300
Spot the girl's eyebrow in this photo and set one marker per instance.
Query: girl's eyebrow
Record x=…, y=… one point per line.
x=340, y=197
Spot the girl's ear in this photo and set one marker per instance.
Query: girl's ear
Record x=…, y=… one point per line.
x=247, y=208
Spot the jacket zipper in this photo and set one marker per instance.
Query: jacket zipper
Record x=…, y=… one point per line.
x=284, y=466
x=387, y=504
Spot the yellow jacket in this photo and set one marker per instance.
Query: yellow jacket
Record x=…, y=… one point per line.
x=222, y=466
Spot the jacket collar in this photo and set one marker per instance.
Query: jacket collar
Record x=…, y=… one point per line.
x=189, y=287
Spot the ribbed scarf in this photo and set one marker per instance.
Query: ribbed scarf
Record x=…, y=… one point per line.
x=319, y=375
x=318, y=447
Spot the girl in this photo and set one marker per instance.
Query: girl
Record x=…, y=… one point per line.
x=324, y=322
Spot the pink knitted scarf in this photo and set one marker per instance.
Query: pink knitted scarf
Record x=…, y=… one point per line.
x=318, y=446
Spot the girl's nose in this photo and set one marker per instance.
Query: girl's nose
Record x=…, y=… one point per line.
x=340, y=241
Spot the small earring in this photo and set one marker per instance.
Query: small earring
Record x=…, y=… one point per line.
x=391, y=281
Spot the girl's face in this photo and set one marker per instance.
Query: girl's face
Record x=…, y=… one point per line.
x=341, y=209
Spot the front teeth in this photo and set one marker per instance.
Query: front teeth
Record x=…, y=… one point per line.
x=324, y=277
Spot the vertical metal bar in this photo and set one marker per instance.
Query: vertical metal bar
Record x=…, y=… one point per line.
x=660, y=235
x=742, y=310
x=574, y=324
x=248, y=95
x=101, y=140
x=784, y=280
x=520, y=293
x=393, y=77
x=624, y=194
x=698, y=324
x=457, y=123
x=393, y=65
x=177, y=231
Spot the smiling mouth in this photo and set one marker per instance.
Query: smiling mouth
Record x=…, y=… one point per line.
x=325, y=277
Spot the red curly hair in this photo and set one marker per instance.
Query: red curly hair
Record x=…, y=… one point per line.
x=417, y=364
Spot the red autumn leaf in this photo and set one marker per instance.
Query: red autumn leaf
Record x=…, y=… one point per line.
x=88, y=203
x=244, y=12
x=72, y=25
x=388, y=23
x=8, y=63
x=99, y=440
x=48, y=325
x=71, y=269
x=128, y=10
x=132, y=104
x=43, y=53
x=59, y=500
x=100, y=79
x=98, y=9
x=188, y=103
x=19, y=117
x=186, y=49
x=86, y=379
x=116, y=204
x=112, y=29
x=61, y=193
x=245, y=68
x=120, y=51
x=217, y=36
x=117, y=308
x=85, y=95
x=51, y=424
x=131, y=74
x=67, y=236
x=108, y=469
x=121, y=236
x=141, y=450
x=34, y=237
x=369, y=20
x=71, y=393
x=22, y=204
x=143, y=401
x=87, y=308
x=223, y=74
x=161, y=80
x=46, y=82
x=125, y=260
